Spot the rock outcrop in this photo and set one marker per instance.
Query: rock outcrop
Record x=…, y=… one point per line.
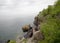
x=33, y=33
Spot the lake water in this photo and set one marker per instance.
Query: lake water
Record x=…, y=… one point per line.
x=10, y=28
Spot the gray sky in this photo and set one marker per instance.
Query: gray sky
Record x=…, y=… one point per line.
x=22, y=8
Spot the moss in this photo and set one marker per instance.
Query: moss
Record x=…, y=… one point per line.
x=25, y=40
x=12, y=41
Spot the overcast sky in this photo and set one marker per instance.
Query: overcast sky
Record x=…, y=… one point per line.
x=21, y=8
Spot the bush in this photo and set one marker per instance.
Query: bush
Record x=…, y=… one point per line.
x=51, y=25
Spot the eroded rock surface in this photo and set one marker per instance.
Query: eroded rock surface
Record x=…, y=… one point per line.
x=37, y=36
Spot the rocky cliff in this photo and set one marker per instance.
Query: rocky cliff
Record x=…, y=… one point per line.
x=46, y=27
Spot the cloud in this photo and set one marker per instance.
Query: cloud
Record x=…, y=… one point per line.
x=15, y=8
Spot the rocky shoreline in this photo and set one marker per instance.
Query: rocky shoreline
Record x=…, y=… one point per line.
x=33, y=33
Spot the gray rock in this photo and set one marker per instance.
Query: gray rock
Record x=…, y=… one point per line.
x=37, y=36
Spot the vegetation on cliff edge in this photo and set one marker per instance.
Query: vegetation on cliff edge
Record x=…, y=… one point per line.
x=50, y=25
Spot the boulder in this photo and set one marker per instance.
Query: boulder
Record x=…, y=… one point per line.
x=26, y=28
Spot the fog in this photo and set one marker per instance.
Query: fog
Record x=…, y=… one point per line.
x=16, y=13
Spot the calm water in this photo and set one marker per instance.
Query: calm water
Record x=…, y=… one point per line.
x=11, y=28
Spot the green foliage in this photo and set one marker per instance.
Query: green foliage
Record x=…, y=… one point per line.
x=51, y=30
x=12, y=41
x=51, y=25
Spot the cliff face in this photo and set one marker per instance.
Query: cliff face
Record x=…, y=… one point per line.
x=47, y=23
